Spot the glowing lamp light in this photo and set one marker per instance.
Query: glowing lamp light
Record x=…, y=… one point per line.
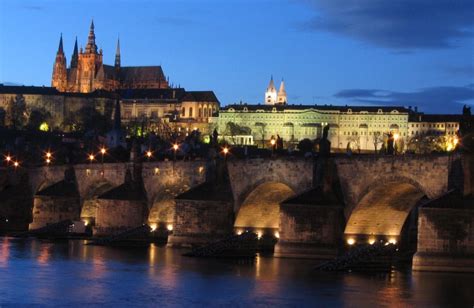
x=259, y=234
x=239, y=232
x=169, y=227
x=371, y=241
x=351, y=241
x=48, y=154
x=16, y=164
x=153, y=227
x=396, y=136
x=48, y=161
x=225, y=150
x=392, y=241
x=148, y=154
x=8, y=158
x=86, y=222
x=102, y=151
x=175, y=146
x=455, y=141
x=91, y=157
x=273, y=141
x=277, y=234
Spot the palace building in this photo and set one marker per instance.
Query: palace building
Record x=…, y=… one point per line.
x=87, y=72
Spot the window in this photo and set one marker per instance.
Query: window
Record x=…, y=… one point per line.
x=183, y=110
x=190, y=112
x=200, y=112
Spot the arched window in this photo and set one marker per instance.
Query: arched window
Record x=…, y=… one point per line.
x=205, y=112
x=200, y=112
x=190, y=112
x=183, y=112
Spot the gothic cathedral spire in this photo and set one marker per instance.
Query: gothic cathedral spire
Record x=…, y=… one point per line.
x=59, y=80
x=91, y=47
x=74, y=58
x=117, y=55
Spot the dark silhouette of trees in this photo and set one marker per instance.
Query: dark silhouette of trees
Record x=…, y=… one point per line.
x=37, y=117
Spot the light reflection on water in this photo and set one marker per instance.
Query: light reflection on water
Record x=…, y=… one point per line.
x=70, y=273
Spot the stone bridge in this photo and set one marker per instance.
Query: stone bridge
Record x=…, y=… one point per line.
x=377, y=192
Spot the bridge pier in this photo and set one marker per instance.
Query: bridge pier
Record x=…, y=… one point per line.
x=203, y=215
x=311, y=226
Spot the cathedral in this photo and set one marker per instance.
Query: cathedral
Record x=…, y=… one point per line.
x=87, y=72
x=272, y=97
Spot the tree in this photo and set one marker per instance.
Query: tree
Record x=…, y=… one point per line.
x=91, y=119
x=354, y=141
x=426, y=143
x=38, y=116
x=232, y=129
x=16, y=112
x=377, y=138
x=261, y=127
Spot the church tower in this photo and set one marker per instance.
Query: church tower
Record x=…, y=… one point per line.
x=271, y=93
x=59, y=80
x=117, y=56
x=89, y=63
x=282, y=93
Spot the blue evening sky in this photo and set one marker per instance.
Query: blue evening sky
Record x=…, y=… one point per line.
x=404, y=52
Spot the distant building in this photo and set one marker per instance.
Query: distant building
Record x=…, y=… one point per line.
x=272, y=97
x=355, y=127
x=87, y=72
x=176, y=109
x=436, y=124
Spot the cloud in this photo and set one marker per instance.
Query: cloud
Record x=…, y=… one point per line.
x=396, y=24
x=464, y=71
x=443, y=99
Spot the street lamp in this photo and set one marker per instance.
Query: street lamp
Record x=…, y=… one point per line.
x=8, y=159
x=175, y=148
x=273, y=142
x=395, y=138
x=48, y=156
x=16, y=164
x=149, y=154
x=91, y=157
x=225, y=150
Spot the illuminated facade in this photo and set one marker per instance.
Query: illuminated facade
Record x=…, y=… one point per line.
x=356, y=127
x=272, y=97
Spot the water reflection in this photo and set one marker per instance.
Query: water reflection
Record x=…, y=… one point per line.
x=36, y=272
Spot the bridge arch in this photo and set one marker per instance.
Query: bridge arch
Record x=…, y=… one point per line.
x=89, y=199
x=260, y=210
x=162, y=209
x=382, y=208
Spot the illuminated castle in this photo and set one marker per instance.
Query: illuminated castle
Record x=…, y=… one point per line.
x=88, y=73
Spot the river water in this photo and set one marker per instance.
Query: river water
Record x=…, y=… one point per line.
x=34, y=272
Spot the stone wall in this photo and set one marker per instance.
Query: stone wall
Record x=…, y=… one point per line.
x=201, y=221
x=445, y=240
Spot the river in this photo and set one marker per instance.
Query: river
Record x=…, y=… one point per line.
x=69, y=273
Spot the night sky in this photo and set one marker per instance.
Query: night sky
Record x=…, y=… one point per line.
x=406, y=53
